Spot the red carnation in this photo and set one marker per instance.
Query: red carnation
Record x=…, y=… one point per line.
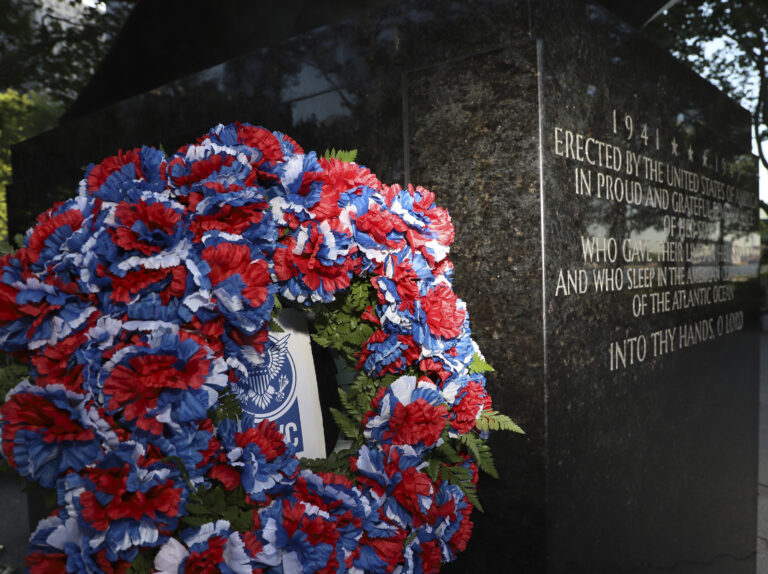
x=124, y=288
x=412, y=486
x=431, y=557
x=162, y=498
x=459, y=541
x=136, y=386
x=417, y=422
x=443, y=317
x=471, y=402
x=379, y=224
x=338, y=177
x=200, y=169
x=261, y=139
x=30, y=411
x=227, y=259
x=390, y=550
x=207, y=561
x=266, y=436
x=42, y=231
x=311, y=270
x=52, y=362
x=9, y=309
x=99, y=174
x=229, y=219
x=155, y=216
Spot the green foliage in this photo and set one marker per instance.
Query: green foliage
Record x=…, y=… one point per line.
x=446, y=463
x=478, y=365
x=411, y=537
x=462, y=477
x=343, y=155
x=494, y=421
x=228, y=407
x=739, y=26
x=143, y=563
x=217, y=503
x=350, y=428
x=336, y=462
x=480, y=452
x=338, y=326
x=11, y=374
x=357, y=398
x=7, y=245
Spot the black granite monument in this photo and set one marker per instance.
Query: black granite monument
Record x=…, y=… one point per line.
x=606, y=210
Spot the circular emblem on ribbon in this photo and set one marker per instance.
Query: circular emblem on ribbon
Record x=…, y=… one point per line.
x=269, y=389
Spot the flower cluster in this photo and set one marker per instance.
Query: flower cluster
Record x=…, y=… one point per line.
x=137, y=303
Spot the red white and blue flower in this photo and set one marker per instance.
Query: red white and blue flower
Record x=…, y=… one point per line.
x=210, y=548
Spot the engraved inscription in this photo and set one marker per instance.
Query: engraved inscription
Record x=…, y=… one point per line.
x=679, y=275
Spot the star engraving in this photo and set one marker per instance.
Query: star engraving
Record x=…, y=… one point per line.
x=690, y=153
x=674, y=147
x=704, y=159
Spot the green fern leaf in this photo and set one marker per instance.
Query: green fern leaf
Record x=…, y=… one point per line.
x=350, y=406
x=228, y=407
x=494, y=420
x=478, y=365
x=481, y=453
x=347, y=426
x=449, y=454
x=10, y=376
x=143, y=563
x=343, y=155
x=433, y=469
x=336, y=462
x=461, y=477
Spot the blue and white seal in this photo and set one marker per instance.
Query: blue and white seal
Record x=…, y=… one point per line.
x=269, y=390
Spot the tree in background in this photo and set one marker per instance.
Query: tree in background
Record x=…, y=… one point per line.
x=21, y=115
x=53, y=46
x=726, y=41
x=48, y=51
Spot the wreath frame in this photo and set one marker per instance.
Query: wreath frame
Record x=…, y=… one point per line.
x=137, y=303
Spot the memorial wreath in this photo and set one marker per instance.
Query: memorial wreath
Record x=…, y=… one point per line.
x=139, y=303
